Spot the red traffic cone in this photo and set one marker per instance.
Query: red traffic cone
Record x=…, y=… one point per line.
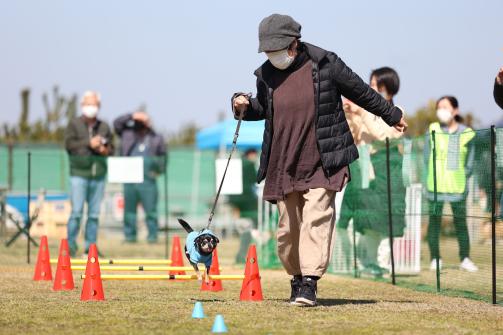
x=43, y=266
x=93, y=287
x=213, y=285
x=64, y=276
x=251, y=290
x=176, y=256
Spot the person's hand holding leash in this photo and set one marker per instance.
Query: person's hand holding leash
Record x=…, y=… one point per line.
x=240, y=104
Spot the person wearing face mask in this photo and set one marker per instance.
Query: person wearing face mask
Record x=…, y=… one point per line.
x=454, y=165
x=498, y=88
x=363, y=200
x=88, y=141
x=307, y=145
x=138, y=138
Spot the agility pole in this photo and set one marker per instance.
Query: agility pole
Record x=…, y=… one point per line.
x=131, y=261
x=167, y=277
x=137, y=268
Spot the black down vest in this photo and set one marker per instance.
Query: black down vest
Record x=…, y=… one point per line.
x=331, y=79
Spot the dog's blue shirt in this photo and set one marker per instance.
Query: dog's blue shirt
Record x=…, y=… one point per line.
x=194, y=255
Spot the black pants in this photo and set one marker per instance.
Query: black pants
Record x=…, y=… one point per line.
x=459, y=212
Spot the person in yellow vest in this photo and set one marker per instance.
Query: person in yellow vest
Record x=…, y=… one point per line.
x=447, y=182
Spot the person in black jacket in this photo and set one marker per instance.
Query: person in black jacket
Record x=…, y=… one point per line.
x=307, y=144
x=498, y=88
x=138, y=138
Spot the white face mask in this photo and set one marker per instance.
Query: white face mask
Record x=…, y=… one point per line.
x=90, y=111
x=280, y=59
x=444, y=115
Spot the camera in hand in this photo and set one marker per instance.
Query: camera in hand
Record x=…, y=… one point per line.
x=138, y=125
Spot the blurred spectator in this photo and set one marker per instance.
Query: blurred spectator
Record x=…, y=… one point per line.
x=364, y=196
x=88, y=140
x=138, y=138
x=246, y=203
x=498, y=88
x=454, y=164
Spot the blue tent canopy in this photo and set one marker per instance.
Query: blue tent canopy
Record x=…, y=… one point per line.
x=221, y=135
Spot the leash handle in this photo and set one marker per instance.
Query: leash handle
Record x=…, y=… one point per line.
x=234, y=145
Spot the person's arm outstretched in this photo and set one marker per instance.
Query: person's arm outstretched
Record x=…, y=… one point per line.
x=355, y=89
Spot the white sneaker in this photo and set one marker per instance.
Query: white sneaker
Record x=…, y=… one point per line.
x=433, y=265
x=468, y=265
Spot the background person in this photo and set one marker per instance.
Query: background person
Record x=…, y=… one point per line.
x=454, y=164
x=307, y=144
x=88, y=140
x=363, y=198
x=138, y=138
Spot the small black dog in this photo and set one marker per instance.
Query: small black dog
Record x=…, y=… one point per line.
x=199, y=248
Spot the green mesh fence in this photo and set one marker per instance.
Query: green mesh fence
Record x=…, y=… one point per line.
x=438, y=211
x=191, y=175
x=441, y=211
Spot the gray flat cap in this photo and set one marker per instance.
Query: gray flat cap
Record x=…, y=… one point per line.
x=277, y=32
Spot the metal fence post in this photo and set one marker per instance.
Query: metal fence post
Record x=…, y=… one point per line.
x=10, y=166
x=435, y=201
x=166, y=209
x=390, y=213
x=493, y=212
x=355, y=265
x=28, y=217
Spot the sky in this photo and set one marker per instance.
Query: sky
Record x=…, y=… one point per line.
x=184, y=59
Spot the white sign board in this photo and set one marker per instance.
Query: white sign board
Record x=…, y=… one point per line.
x=125, y=170
x=233, y=183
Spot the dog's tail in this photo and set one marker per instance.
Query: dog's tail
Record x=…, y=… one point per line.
x=185, y=225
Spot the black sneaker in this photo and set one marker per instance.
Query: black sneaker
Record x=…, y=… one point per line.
x=296, y=283
x=307, y=294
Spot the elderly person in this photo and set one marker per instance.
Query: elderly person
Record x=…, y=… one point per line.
x=307, y=144
x=138, y=138
x=498, y=88
x=88, y=141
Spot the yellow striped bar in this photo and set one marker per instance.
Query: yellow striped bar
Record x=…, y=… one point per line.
x=131, y=261
x=167, y=277
x=137, y=268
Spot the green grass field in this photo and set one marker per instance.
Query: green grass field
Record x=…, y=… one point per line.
x=347, y=306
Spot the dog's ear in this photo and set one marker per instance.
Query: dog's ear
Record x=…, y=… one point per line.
x=216, y=239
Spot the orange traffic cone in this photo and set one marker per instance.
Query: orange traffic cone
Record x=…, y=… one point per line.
x=43, y=266
x=176, y=256
x=251, y=290
x=64, y=276
x=213, y=285
x=93, y=287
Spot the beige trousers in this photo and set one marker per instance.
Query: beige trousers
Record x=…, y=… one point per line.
x=306, y=231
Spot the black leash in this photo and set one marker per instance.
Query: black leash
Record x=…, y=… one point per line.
x=234, y=142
